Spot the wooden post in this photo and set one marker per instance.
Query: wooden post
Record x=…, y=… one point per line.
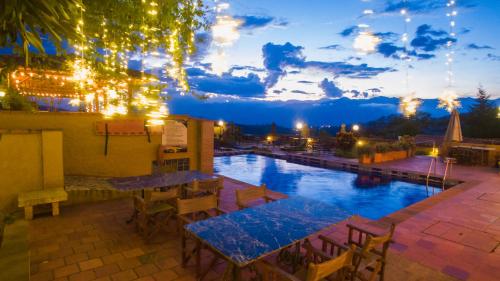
x=55, y=208
x=28, y=212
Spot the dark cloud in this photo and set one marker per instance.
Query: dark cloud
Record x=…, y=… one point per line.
x=278, y=56
x=429, y=40
x=253, y=21
x=300, y=92
x=360, y=71
x=478, y=47
x=387, y=36
x=389, y=50
x=332, y=47
x=493, y=57
x=423, y=6
x=305, y=82
x=330, y=89
x=349, y=31
x=358, y=94
x=227, y=84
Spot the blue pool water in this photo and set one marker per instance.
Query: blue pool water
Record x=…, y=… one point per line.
x=364, y=195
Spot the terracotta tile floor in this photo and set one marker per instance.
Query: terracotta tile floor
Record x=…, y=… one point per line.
x=450, y=237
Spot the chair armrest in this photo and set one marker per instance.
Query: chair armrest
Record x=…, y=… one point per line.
x=361, y=230
x=333, y=242
x=269, y=268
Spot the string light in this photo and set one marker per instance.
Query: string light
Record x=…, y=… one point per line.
x=365, y=42
x=449, y=98
x=409, y=104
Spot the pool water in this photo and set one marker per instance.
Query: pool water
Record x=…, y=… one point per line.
x=365, y=195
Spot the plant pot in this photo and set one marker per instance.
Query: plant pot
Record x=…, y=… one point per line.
x=365, y=159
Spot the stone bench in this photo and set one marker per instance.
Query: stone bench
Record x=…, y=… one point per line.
x=52, y=196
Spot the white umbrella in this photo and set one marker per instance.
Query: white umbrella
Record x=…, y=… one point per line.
x=454, y=130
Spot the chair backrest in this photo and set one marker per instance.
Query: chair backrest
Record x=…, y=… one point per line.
x=372, y=242
x=250, y=194
x=139, y=204
x=163, y=195
x=316, y=272
x=197, y=204
x=212, y=185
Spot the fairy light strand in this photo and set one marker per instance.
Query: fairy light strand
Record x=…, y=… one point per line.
x=449, y=99
x=408, y=104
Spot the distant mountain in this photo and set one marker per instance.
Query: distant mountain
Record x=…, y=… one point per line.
x=285, y=114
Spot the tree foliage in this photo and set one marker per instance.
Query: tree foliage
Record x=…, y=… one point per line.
x=481, y=120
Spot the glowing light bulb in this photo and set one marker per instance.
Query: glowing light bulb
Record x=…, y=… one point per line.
x=449, y=100
x=366, y=42
x=299, y=125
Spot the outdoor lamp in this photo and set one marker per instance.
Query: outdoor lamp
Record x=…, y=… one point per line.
x=2, y=93
x=299, y=125
x=355, y=128
x=269, y=138
x=220, y=123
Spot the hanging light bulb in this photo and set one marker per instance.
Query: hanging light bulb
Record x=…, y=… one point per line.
x=449, y=100
x=366, y=42
x=409, y=105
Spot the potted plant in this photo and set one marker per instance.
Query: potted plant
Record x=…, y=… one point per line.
x=365, y=154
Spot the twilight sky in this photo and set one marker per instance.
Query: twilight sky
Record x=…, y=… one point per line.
x=276, y=55
x=303, y=50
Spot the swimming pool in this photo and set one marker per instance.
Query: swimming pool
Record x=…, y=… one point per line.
x=365, y=195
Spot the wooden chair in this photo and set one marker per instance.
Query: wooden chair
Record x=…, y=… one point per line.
x=244, y=197
x=373, y=254
x=189, y=211
x=205, y=187
x=151, y=218
x=169, y=195
x=319, y=266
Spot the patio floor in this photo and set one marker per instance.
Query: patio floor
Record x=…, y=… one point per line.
x=452, y=236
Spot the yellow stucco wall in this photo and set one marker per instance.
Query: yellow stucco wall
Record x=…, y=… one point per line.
x=20, y=166
x=52, y=159
x=83, y=150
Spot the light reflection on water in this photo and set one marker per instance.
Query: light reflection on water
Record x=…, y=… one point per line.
x=370, y=197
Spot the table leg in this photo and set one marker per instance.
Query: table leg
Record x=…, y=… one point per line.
x=28, y=212
x=55, y=208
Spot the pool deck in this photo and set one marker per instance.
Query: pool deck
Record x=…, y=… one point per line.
x=454, y=235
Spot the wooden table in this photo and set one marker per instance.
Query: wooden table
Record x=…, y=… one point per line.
x=159, y=180
x=245, y=236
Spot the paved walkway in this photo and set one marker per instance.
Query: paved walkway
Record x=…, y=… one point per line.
x=452, y=236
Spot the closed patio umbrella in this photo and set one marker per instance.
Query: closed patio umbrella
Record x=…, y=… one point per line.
x=454, y=130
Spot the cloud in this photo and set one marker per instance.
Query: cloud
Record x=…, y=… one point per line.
x=422, y=6
x=305, y=82
x=389, y=50
x=387, y=35
x=226, y=84
x=493, y=57
x=478, y=47
x=254, y=21
x=332, y=47
x=349, y=31
x=330, y=89
x=429, y=40
x=278, y=57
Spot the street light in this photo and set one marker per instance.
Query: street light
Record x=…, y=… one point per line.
x=299, y=125
x=355, y=128
x=220, y=123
